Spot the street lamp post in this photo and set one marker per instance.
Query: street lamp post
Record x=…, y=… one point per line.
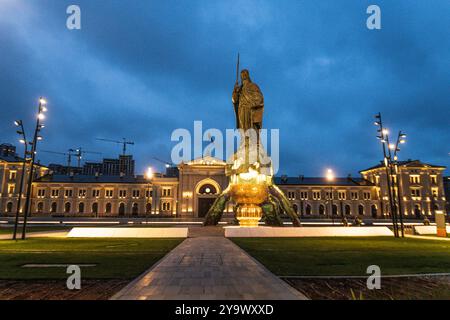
x=330, y=178
x=384, y=138
x=23, y=140
x=149, y=177
x=40, y=116
x=400, y=140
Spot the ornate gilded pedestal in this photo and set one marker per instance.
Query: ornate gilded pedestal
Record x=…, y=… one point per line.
x=249, y=196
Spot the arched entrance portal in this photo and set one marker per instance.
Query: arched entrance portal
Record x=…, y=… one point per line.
x=374, y=211
x=121, y=209
x=207, y=191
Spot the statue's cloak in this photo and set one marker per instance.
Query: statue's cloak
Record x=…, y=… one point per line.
x=251, y=106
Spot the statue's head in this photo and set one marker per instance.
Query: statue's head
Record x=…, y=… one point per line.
x=245, y=75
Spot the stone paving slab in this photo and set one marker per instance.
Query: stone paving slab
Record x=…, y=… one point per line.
x=208, y=268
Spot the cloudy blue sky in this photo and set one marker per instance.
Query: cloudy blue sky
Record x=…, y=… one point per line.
x=140, y=69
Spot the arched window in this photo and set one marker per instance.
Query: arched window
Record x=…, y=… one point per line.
x=361, y=210
x=53, y=207
x=81, y=207
x=9, y=207
x=348, y=210
x=308, y=209
x=148, y=207
x=40, y=207
x=207, y=189
x=335, y=210
x=295, y=207
x=321, y=209
x=374, y=211
x=121, y=209
x=67, y=207
x=108, y=207
x=166, y=206
x=95, y=207
x=135, y=209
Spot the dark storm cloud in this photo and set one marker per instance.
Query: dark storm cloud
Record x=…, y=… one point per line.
x=141, y=69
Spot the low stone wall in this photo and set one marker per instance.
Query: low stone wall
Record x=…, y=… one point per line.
x=280, y=232
x=128, y=233
x=427, y=229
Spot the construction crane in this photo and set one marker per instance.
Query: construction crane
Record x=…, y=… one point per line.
x=79, y=154
x=124, y=143
x=69, y=155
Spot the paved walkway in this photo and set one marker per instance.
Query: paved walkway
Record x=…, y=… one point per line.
x=208, y=268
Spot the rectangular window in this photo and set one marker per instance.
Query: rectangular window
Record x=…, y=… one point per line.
x=136, y=193
x=82, y=193
x=414, y=179
x=149, y=193
x=12, y=175
x=109, y=193
x=11, y=188
x=122, y=193
x=354, y=195
x=96, y=193
x=304, y=195
x=366, y=195
x=316, y=195
x=433, y=179
x=41, y=193
x=415, y=192
x=68, y=193
x=341, y=195
x=329, y=195
x=55, y=193
x=166, y=192
x=434, y=192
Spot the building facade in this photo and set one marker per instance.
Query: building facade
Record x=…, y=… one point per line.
x=447, y=193
x=420, y=188
x=190, y=193
x=320, y=197
x=11, y=171
x=104, y=196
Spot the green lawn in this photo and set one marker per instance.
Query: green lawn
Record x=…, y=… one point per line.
x=348, y=256
x=115, y=258
x=10, y=229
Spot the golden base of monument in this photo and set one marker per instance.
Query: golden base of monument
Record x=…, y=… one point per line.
x=248, y=197
x=249, y=215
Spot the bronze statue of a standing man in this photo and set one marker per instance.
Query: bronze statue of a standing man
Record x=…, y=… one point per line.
x=249, y=102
